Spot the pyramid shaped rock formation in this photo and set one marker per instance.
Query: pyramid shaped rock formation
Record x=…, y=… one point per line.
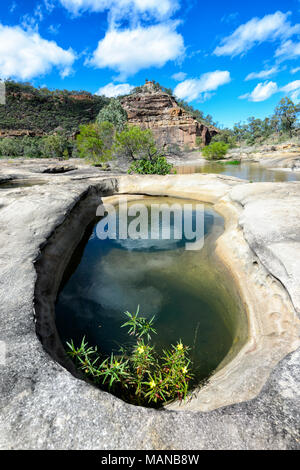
x=151, y=108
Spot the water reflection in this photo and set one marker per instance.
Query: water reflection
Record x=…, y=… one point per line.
x=250, y=171
x=190, y=292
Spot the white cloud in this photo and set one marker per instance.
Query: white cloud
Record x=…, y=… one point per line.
x=131, y=50
x=292, y=86
x=263, y=73
x=256, y=31
x=288, y=50
x=25, y=54
x=120, y=8
x=179, y=76
x=49, y=5
x=261, y=92
x=200, y=88
x=295, y=70
x=111, y=90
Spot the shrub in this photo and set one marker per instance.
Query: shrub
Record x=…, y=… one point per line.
x=32, y=147
x=55, y=146
x=138, y=374
x=11, y=147
x=215, y=150
x=95, y=142
x=158, y=166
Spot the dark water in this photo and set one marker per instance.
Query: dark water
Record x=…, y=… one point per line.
x=21, y=184
x=190, y=292
x=250, y=171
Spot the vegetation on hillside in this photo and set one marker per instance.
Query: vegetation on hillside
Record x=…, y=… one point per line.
x=42, y=111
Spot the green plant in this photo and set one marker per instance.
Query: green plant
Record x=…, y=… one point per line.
x=54, y=146
x=113, y=113
x=95, y=142
x=11, y=147
x=156, y=166
x=215, y=150
x=231, y=162
x=134, y=142
x=138, y=374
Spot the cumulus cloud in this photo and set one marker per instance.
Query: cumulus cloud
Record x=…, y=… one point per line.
x=111, y=90
x=261, y=92
x=25, y=54
x=200, y=88
x=160, y=9
x=256, y=31
x=288, y=50
x=131, y=50
x=263, y=73
x=179, y=76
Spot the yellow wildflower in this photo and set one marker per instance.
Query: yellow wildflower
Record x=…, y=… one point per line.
x=180, y=346
x=152, y=384
x=184, y=370
x=141, y=349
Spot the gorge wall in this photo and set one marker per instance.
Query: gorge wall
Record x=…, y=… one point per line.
x=151, y=108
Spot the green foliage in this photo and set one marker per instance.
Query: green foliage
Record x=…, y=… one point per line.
x=282, y=124
x=134, y=142
x=95, y=142
x=139, y=326
x=32, y=147
x=55, y=146
x=113, y=113
x=287, y=112
x=11, y=147
x=231, y=162
x=42, y=111
x=138, y=374
x=52, y=146
x=156, y=166
x=226, y=136
x=139, y=145
x=215, y=150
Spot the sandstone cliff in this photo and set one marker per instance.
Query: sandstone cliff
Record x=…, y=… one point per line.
x=171, y=125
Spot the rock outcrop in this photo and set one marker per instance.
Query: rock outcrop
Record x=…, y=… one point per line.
x=151, y=108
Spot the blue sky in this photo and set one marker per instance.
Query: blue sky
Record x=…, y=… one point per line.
x=230, y=59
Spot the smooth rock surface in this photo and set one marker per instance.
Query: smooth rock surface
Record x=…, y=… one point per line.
x=42, y=406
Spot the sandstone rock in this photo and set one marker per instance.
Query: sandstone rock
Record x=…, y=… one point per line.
x=170, y=124
x=43, y=406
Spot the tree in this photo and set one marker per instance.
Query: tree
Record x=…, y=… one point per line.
x=95, y=142
x=287, y=112
x=113, y=113
x=136, y=143
x=227, y=136
x=55, y=146
x=215, y=151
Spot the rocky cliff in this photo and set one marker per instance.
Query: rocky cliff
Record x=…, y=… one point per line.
x=151, y=108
